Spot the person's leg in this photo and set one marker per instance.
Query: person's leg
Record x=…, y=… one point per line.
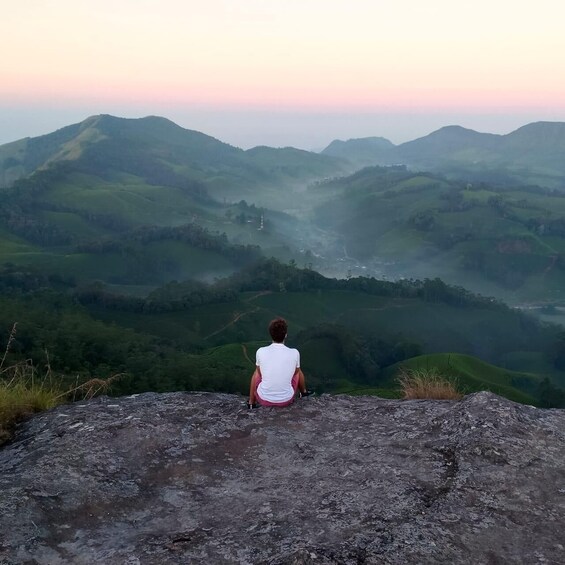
x=299, y=384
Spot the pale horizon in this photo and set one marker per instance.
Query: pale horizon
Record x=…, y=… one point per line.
x=273, y=72
x=302, y=131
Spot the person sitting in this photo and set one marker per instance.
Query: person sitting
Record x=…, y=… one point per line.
x=277, y=377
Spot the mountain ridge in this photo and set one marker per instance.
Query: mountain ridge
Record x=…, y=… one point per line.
x=536, y=148
x=162, y=138
x=532, y=153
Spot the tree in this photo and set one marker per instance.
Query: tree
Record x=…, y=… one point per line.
x=550, y=396
x=557, y=352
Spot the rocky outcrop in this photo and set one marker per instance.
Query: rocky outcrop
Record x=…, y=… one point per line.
x=196, y=478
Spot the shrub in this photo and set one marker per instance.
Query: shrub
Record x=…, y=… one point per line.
x=427, y=383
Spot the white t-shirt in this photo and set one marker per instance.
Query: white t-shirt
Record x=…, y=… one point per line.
x=278, y=364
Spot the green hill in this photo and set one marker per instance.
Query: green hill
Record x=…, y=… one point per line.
x=533, y=154
x=347, y=330
x=496, y=240
x=99, y=181
x=193, y=335
x=163, y=153
x=105, y=178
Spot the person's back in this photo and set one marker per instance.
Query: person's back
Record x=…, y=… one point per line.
x=277, y=363
x=277, y=377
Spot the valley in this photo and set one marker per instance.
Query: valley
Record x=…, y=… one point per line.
x=142, y=247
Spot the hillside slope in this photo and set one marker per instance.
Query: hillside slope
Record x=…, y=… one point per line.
x=472, y=374
x=494, y=240
x=345, y=329
x=99, y=181
x=157, y=149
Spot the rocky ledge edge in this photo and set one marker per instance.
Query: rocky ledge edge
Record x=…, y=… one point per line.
x=197, y=478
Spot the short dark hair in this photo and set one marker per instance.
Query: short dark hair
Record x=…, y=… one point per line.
x=278, y=329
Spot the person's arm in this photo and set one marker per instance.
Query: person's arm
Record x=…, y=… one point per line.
x=301, y=383
x=253, y=386
x=301, y=380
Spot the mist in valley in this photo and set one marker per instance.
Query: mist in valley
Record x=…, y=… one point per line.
x=261, y=160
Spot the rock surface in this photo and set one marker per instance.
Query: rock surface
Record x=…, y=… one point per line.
x=196, y=478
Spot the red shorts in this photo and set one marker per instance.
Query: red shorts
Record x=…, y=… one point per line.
x=293, y=384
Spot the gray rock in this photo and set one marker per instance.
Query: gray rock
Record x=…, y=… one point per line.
x=197, y=478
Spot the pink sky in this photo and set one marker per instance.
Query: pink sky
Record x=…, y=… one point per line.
x=177, y=58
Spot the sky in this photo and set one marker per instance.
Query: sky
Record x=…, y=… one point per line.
x=283, y=72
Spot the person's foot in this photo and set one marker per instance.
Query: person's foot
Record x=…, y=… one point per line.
x=306, y=393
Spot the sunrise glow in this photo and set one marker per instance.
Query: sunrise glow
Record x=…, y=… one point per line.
x=310, y=55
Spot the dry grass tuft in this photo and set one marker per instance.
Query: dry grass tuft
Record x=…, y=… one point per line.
x=427, y=383
x=24, y=392
x=92, y=387
x=7, y=350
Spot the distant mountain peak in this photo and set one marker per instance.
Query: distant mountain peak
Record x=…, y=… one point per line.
x=372, y=141
x=536, y=129
x=361, y=152
x=453, y=128
x=455, y=131
x=543, y=125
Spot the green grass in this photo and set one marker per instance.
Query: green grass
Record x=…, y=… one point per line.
x=481, y=196
x=351, y=388
x=157, y=262
x=74, y=224
x=182, y=327
x=10, y=250
x=422, y=182
x=130, y=198
x=400, y=242
x=224, y=368
x=12, y=245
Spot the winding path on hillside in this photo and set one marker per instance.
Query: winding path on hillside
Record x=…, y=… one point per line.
x=238, y=315
x=245, y=353
x=552, y=264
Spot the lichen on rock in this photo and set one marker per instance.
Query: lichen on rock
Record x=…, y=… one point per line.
x=197, y=478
